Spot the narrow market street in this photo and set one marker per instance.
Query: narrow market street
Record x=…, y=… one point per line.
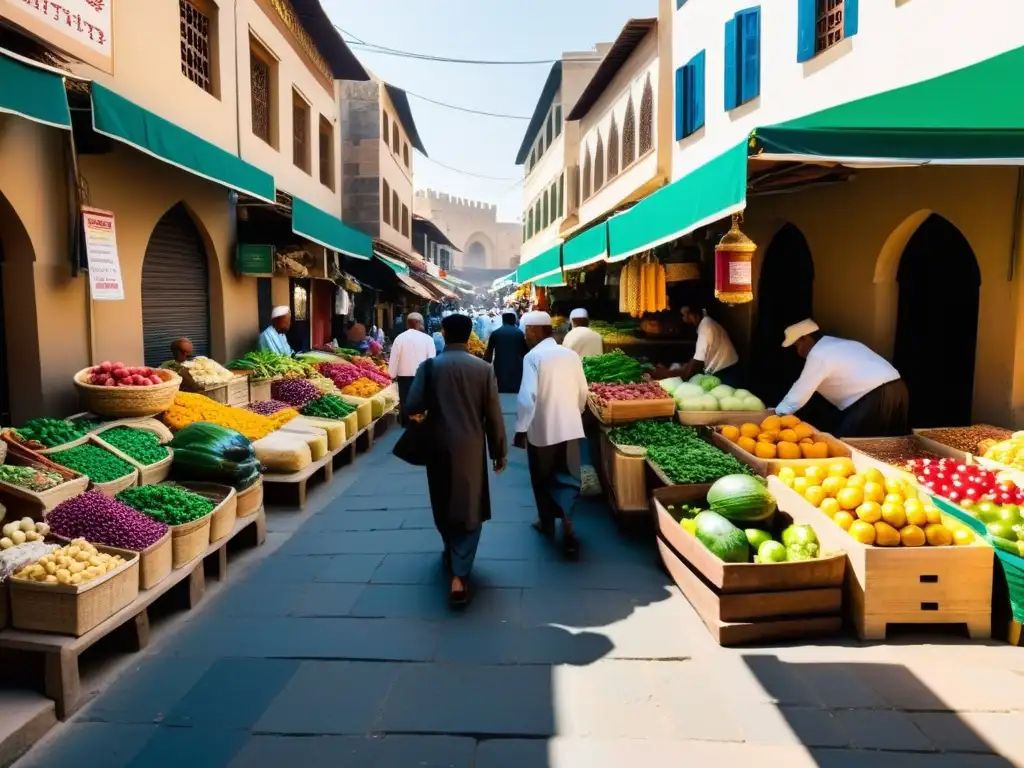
x=342, y=633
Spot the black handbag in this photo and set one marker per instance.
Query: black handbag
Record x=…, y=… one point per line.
x=413, y=446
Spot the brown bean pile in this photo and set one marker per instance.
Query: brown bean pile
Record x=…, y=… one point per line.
x=966, y=439
x=896, y=451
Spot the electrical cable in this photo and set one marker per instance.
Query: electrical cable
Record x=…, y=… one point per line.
x=467, y=109
x=385, y=50
x=470, y=173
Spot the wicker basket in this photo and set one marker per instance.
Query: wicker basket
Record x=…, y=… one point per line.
x=190, y=540
x=149, y=474
x=155, y=562
x=43, y=501
x=4, y=609
x=128, y=401
x=222, y=519
x=74, y=610
x=251, y=499
x=3, y=452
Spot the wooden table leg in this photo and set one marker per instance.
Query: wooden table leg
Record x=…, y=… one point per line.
x=329, y=470
x=261, y=528
x=62, y=683
x=302, y=494
x=196, y=585
x=222, y=563
x=141, y=626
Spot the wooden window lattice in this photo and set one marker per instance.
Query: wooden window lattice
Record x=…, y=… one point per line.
x=828, y=28
x=326, y=153
x=195, y=46
x=300, y=135
x=647, y=118
x=613, y=150
x=386, y=204
x=599, y=164
x=629, y=135
x=585, y=181
x=260, y=86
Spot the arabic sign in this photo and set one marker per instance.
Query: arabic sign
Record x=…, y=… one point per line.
x=80, y=28
x=105, y=281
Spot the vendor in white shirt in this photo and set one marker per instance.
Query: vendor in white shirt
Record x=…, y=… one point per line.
x=868, y=392
x=581, y=339
x=714, y=353
x=275, y=336
x=411, y=347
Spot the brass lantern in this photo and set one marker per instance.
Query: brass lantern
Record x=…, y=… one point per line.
x=734, y=266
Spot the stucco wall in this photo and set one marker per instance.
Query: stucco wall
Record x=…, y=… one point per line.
x=398, y=177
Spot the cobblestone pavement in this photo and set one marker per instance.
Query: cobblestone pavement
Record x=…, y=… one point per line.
x=338, y=650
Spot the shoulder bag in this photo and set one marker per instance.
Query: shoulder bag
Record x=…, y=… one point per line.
x=413, y=446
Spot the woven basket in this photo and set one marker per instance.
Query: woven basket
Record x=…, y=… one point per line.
x=222, y=519
x=156, y=562
x=149, y=474
x=4, y=609
x=128, y=401
x=114, y=487
x=190, y=540
x=3, y=452
x=74, y=610
x=45, y=500
x=250, y=500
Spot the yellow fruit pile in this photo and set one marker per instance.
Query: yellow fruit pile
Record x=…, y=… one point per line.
x=642, y=287
x=77, y=563
x=362, y=387
x=872, y=508
x=474, y=346
x=778, y=437
x=1009, y=452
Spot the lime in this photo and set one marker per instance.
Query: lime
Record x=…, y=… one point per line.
x=756, y=537
x=1002, y=529
x=771, y=552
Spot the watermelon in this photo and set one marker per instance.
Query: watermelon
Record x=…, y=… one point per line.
x=725, y=540
x=741, y=499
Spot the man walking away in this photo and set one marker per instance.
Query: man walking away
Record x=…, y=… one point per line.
x=581, y=340
x=464, y=425
x=549, y=424
x=506, y=349
x=410, y=349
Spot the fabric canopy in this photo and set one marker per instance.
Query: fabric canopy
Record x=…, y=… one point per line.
x=554, y=280
x=586, y=248
x=442, y=287
x=715, y=190
x=317, y=225
x=125, y=121
x=414, y=287
x=543, y=264
x=501, y=282
x=966, y=116
x=398, y=267
x=34, y=93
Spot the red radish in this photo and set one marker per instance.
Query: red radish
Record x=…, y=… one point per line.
x=137, y=380
x=118, y=364
x=156, y=379
x=108, y=383
x=106, y=367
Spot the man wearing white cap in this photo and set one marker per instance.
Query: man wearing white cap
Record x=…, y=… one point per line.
x=581, y=340
x=411, y=348
x=549, y=425
x=871, y=397
x=274, y=337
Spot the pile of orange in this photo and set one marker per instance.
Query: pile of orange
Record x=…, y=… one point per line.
x=778, y=437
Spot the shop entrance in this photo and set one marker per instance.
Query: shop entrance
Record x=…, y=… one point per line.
x=939, y=288
x=323, y=311
x=785, y=295
x=299, y=334
x=175, y=287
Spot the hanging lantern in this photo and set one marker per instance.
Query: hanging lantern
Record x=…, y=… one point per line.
x=734, y=266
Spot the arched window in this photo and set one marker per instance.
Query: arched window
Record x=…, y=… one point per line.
x=394, y=137
x=545, y=211
x=585, y=181
x=647, y=118
x=613, y=150
x=629, y=135
x=599, y=163
x=529, y=225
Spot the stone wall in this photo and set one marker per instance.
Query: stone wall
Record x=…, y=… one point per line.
x=360, y=155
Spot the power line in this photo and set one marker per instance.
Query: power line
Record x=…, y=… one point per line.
x=470, y=173
x=467, y=109
x=385, y=50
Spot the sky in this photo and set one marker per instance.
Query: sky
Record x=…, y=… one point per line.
x=477, y=29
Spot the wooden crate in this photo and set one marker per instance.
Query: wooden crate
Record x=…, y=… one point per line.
x=238, y=390
x=904, y=585
x=714, y=418
x=765, y=467
x=625, y=469
x=74, y=610
x=259, y=389
x=625, y=411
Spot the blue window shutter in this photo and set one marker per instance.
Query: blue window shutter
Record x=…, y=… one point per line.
x=805, y=30
x=681, y=96
x=698, y=90
x=750, y=54
x=731, y=58
x=850, y=21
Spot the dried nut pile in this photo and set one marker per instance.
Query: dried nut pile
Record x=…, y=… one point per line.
x=21, y=531
x=965, y=439
x=77, y=563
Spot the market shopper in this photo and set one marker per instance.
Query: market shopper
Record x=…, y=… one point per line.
x=581, y=339
x=181, y=350
x=506, y=349
x=275, y=336
x=871, y=398
x=549, y=425
x=411, y=348
x=465, y=425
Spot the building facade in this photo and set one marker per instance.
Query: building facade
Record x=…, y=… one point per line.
x=481, y=241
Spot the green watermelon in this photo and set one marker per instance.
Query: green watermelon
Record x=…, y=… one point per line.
x=725, y=540
x=741, y=499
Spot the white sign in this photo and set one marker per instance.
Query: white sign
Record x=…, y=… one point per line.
x=101, y=250
x=81, y=28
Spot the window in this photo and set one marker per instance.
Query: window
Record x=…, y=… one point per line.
x=828, y=26
x=529, y=224
x=585, y=180
x=647, y=118
x=742, y=57
x=395, y=208
x=405, y=220
x=385, y=204
x=558, y=120
x=690, y=97
x=405, y=154
x=326, y=147
x=386, y=130
x=394, y=136
x=561, y=195
x=545, y=210
x=599, y=164
x=263, y=92
x=198, y=36
x=300, y=132
x=551, y=127
x=629, y=135
x=822, y=24
x=613, y=150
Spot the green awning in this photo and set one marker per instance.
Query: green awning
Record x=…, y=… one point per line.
x=715, y=190
x=34, y=93
x=555, y=280
x=322, y=228
x=972, y=115
x=398, y=267
x=543, y=264
x=125, y=121
x=586, y=248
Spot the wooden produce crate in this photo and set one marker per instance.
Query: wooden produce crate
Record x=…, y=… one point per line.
x=250, y=500
x=156, y=562
x=149, y=474
x=222, y=519
x=625, y=411
x=259, y=389
x=74, y=610
x=113, y=487
x=945, y=450
x=748, y=602
x=21, y=502
x=364, y=410
x=714, y=418
x=765, y=467
x=861, y=458
x=625, y=470
x=189, y=541
x=904, y=585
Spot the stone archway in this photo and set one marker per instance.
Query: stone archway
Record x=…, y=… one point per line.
x=19, y=342
x=476, y=255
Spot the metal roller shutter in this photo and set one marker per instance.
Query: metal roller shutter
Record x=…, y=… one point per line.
x=175, y=288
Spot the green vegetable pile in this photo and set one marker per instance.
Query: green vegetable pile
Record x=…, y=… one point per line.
x=169, y=504
x=328, y=407
x=98, y=465
x=51, y=432
x=140, y=444
x=265, y=364
x=30, y=478
x=613, y=368
x=692, y=460
x=650, y=433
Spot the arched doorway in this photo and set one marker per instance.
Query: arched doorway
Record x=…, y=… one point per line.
x=175, y=287
x=785, y=295
x=937, y=324
x=476, y=255
x=5, y=394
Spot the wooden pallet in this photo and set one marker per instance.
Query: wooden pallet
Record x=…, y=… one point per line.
x=301, y=478
x=62, y=682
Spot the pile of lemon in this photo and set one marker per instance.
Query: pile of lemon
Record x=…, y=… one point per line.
x=874, y=509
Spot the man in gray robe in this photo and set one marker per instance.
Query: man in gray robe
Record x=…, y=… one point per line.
x=459, y=395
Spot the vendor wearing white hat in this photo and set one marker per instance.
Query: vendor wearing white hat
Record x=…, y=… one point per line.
x=549, y=425
x=581, y=340
x=868, y=392
x=274, y=338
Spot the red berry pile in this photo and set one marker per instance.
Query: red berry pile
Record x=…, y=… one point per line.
x=108, y=374
x=964, y=484
x=645, y=391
